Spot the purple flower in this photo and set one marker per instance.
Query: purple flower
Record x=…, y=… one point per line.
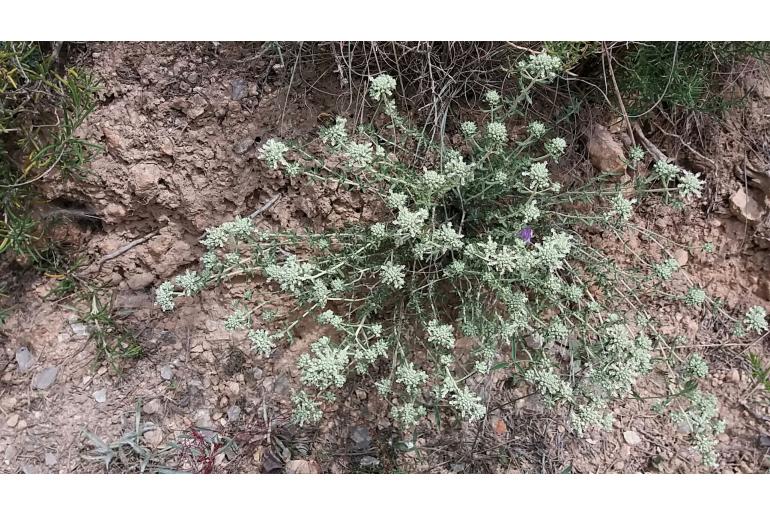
x=526, y=234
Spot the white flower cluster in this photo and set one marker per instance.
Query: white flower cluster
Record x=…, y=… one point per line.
x=553, y=389
x=441, y=335
x=238, y=320
x=541, y=66
x=456, y=167
x=539, y=176
x=382, y=87
x=410, y=223
x=359, y=154
x=536, y=130
x=492, y=98
x=468, y=129
x=407, y=414
x=262, y=341
x=439, y=241
x=365, y=356
x=696, y=367
x=396, y=200
x=621, y=360
x=552, y=250
x=392, y=275
x=755, y=319
x=635, y=155
x=556, y=331
x=305, y=410
x=497, y=133
x=530, y=212
x=433, y=180
x=329, y=317
x=327, y=368
x=191, y=282
x=666, y=269
x=164, y=296
x=555, y=148
x=410, y=377
x=378, y=230
x=335, y=135
x=695, y=297
x=593, y=414
x=621, y=208
x=504, y=259
x=701, y=418
x=272, y=153
x=468, y=404
x=238, y=229
x=690, y=184
x=291, y=274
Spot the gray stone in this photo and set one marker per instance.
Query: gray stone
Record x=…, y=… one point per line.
x=243, y=146
x=166, y=372
x=80, y=330
x=140, y=281
x=369, y=461
x=51, y=459
x=24, y=359
x=282, y=385
x=257, y=373
x=233, y=413
x=45, y=378
x=361, y=438
x=152, y=407
x=240, y=89
x=100, y=396
x=632, y=437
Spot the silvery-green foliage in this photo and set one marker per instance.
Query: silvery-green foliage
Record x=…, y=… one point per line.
x=272, y=153
x=696, y=367
x=755, y=319
x=701, y=419
x=476, y=243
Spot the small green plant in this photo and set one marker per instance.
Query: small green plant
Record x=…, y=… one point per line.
x=41, y=106
x=478, y=244
x=759, y=371
x=114, y=342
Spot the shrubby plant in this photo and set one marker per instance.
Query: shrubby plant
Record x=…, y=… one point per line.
x=478, y=253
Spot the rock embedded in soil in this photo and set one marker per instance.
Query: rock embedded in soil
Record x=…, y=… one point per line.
x=152, y=407
x=632, y=437
x=604, y=151
x=100, y=396
x=12, y=421
x=166, y=372
x=361, y=438
x=24, y=359
x=140, y=281
x=51, y=459
x=233, y=413
x=302, y=467
x=153, y=437
x=239, y=89
x=745, y=207
x=243, y=146
x=45, y=378
x=681, y=256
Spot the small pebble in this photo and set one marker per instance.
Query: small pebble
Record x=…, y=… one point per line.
x=166, y=372
x=632, y=437
x=12, y=421
x=100, y=395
